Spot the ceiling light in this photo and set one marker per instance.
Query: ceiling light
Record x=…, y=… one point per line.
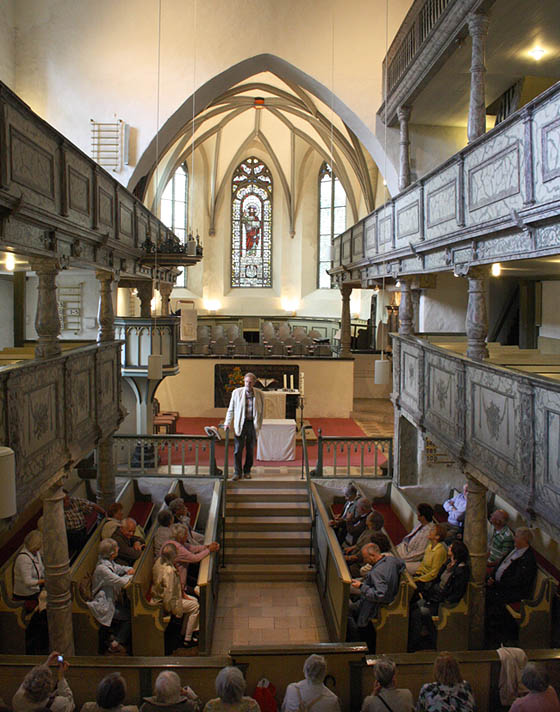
x=496, y=269
x=537, y=53
x=10, y=262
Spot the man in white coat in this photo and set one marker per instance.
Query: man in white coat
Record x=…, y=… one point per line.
x=245, y=412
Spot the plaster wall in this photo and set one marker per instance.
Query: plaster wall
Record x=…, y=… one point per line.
x=445, y=307
x=550, y=328
x=328, y=387
x=7, y=42
x=7, y=321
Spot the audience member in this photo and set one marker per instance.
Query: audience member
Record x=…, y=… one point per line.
x=450, y=586
x=130, y=546
x=29, y=571
x=449, y=692
x=168, y=592
x=170, y=696
x=230, y=686
x=542, y=697
x=115, y=515
x=311, y=691
x=181, y=516
x=385, y=695
x=188, y=553
x=75, y=511
x=382, y=541
x=412, y=547
x=111, y=693
x=356, y=525
x=512, y=580
x=339, y=522
x=502, y=538
x=456, y=507
x=109, y=578
x=163, y=532
x=435, y=557
x=169, y=497
x=380, y=586
x=40, y=690
x=353, y=554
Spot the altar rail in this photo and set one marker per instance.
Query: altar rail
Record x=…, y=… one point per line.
x=169, y=455
x=497, y=199
x=54, y=411
x=143, y=337
x=506, y=423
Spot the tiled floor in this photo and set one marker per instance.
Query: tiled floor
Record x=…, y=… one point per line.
x=271, y=613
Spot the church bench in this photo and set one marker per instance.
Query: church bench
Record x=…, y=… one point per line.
x=533, y=616
x=391, y=622
x=452, y=623
x=137, y=504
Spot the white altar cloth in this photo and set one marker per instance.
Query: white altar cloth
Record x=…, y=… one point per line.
x=277, y=440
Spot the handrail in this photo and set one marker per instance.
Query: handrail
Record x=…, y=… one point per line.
x=224, y=496
x=356, y=443
x=206, y=574
x=308, y=483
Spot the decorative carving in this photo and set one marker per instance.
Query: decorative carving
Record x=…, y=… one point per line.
x=403, y=114
x=494, y=418
x=408, y=220
x=78, y=192
x=442, y=389
x=345, y=324
x=76, y=248
x=105, y=315
x=47, y=322
x=406, y=327
x=31, y=165
x=525, y=436
x=550, y=148
x=478, y=29
x=442, y=204
x=477, y=319
x=495, y=179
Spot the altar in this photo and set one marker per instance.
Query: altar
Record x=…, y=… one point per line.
x=280, y=404
x=277, y=440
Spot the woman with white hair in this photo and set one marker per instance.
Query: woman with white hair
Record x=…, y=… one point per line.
x=171, y=696
x=230, y=686
x=542, y=696
x=311, y=692
x=187, y=553
x=385, y=694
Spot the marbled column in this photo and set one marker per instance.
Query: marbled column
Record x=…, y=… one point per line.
x=478, y=28
x=165, y=289
x=105, y=473
x=476, y=323
x=47, y=322
x=416, y=310
x=403, y=114
x=106, y=312
x=476, y=539
x=57, y=572
x=406, y=327
x=345, y=325
x=145, y=294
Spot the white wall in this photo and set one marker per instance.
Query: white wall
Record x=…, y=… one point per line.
x=7, y=43
x=550, y=313
x=445, y=307
x=7, y=302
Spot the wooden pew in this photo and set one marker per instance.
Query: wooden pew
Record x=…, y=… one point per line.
x=533, y=615
x=391, y=622
x=452, y=623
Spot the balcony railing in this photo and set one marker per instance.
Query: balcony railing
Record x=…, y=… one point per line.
x=143, y=337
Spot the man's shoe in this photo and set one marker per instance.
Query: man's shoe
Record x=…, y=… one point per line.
x=189, y=643
x=247, y=476
x=235, y=478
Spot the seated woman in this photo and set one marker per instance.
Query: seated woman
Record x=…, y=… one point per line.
x=435, y=556
x=163, y=532
x=449, y=586
x=111, y=693
x=115, y=515
x=352, y=554
x=449, y=691
x=230, y=686
x=168, y=591
x=542, y=696
x=385, y=694
x=29, y=582
x=171, y=696
x=109, y=578
x=40, y=690
x=311, y=692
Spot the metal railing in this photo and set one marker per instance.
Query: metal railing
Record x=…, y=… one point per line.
x=169, y=455
x=375, y=457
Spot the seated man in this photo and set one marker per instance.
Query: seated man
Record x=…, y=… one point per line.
x=380, y=586
x=167, y=591
x=356, y=525
x=339, y=523
x=353, y=554
x=502, y=538
x=412, y=547
x=456, y=508
x=512, y=580
x=75, y=510
x=130, y=546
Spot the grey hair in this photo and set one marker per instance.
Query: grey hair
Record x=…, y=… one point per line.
x=252, y=375
x=371, y=548
x=535, y=677
x=167, y=687
x=315, y=668
x=363, y=505
x=168, y=554
x=350, y=489
x=384, y=671
x=230, y=685
x=33, y=540
x=178, y=531
x=176, y=504
x=107, y=547
x=129, y=521
x=526, y=533
x=38, y=683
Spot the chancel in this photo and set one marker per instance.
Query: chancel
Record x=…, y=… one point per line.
x=354, y=206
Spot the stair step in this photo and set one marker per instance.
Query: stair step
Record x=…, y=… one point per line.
x=267, y=495
x=252, y=523
x=272, y=509
x=266, y=484
x=274, y=556
x=266, y=572
x=245, y=539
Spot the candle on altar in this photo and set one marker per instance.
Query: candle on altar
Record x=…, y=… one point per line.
x=301, y=384
x=291, y=381
x=285, y=382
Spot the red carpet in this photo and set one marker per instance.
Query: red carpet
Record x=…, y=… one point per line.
x=341, y=427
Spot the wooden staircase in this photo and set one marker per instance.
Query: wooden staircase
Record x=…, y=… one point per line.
x=268, y=530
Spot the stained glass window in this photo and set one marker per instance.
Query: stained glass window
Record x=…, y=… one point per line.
x=251, y=225
x=173, y=210
x=332, y=219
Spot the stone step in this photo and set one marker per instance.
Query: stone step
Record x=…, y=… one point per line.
x=267, y=539
x=265, y=484
x=265, y=572
x=252, y=524
x=272, y=556
x=267, y=495
x=267, y=509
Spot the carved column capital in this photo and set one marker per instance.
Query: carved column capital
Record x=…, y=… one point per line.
x=478, y=29
x=47, y=321
x=145, y=294
x=106, y=312
x=406, y=327
x=165, y=289
x=345, y=324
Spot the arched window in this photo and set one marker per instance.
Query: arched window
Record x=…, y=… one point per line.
x=332, y=219
x=173, y=210
x=251, y=225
